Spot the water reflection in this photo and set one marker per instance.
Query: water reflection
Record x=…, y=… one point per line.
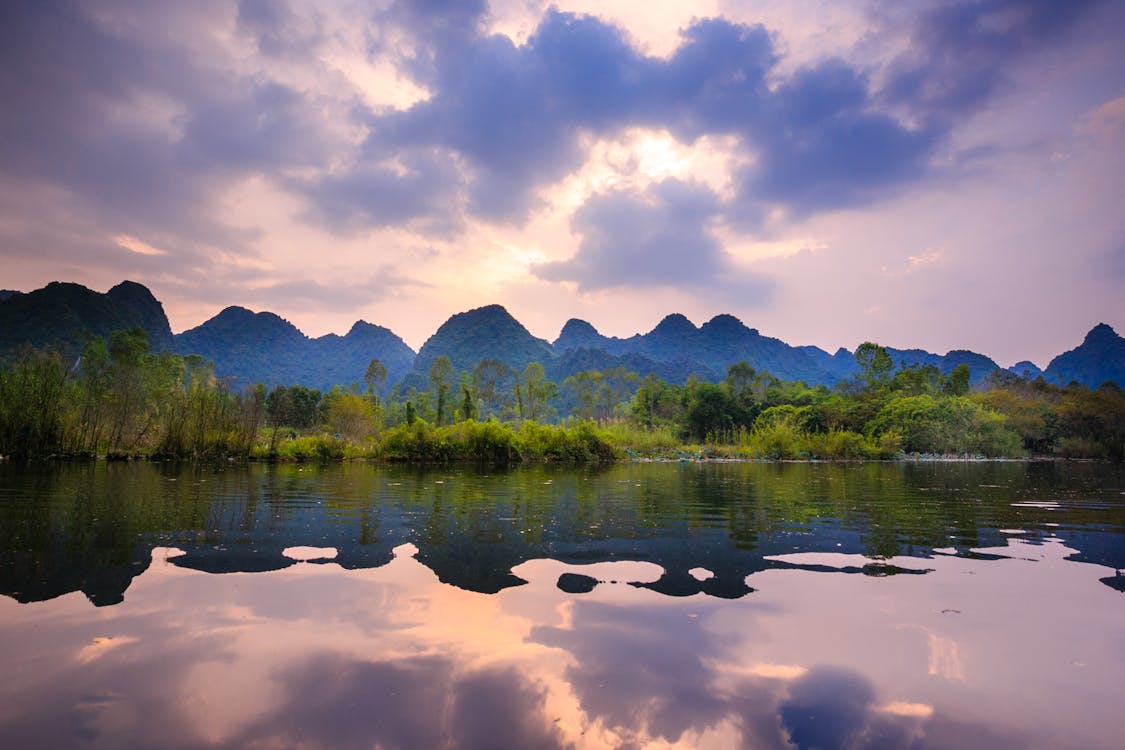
x=91, y=527
x=315, y=655
x=634, y=606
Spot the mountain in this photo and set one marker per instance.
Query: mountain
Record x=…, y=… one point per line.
x=1026, y=369
x=343, y=359
x=707, y=351
x=578, y=334
x=574, y=361
x=63, y=316
x=263, y=347
x=1100, y=358
x=484, y=333
x=979, y=365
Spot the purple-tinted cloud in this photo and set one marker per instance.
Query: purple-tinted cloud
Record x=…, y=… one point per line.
x=276, y=29
x=656, y=239
x=134, y=118
x=114, y=109
x=961, y=52
x=825, y=137
x=423, y=187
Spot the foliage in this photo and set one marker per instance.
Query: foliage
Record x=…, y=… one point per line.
x=119, y=398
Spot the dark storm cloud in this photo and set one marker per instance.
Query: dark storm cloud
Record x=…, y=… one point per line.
x=659, y=238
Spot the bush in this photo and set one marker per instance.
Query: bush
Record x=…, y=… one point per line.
x=309, y=448
x=776, y=440
x=579, y=442
x=489, y=442
x=417, y=442
x=840, y=444
x=1078, y=447
x=632, y=439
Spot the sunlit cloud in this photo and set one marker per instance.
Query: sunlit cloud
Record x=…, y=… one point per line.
x=101, y=646
x=137, y=246
x=902, y=708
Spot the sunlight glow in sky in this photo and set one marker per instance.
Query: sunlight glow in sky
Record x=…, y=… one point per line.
x=937, y=174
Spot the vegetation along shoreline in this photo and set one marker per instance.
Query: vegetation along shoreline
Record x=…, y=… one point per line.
x=119, y=398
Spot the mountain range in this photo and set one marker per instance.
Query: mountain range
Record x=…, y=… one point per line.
x=252, y=347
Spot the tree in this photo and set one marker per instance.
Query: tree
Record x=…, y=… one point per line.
x=585, y=387
x=127, y=349
x=740, y=378
x=468, y=409
x=875, y=364
x=349, y=414
x=279, y=411
x=957, y=384
x=710, y=411
x=306, y=406
x=375, y=376
x=489, y=378
x=655, y=401
x=440, y=373
x=534, y=393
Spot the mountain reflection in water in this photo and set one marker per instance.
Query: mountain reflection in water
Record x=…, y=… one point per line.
x=629, y=606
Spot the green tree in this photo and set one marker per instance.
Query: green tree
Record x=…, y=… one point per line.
x=441, y=371
x=468, y=409
x=585, y=389
x=534, y=393
x=349, y=414
x=710, y=411
x=279, y=413
x=957, y=384
x=874, y=363
x=375, y=376
x=489, y=378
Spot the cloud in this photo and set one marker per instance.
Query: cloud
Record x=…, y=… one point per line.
x=961, y=53
x=135, y=118
x=825, y=136
x=658, y=238
x=422, y=701
x=420, y=186
x=276, y=28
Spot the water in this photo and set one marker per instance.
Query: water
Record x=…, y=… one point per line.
x=954, y=605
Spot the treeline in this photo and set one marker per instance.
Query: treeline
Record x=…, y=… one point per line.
x=119, y=398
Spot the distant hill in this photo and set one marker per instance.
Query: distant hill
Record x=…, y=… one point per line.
x=1099, y=358
x=484, y=333
x=263, y=347
x=64, y=316
x=681, y=349
x=1026, y=369
x=979, y=365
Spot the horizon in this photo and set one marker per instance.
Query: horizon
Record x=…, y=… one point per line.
x=942, y=175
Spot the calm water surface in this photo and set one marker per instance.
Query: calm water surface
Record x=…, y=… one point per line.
x=957, y=605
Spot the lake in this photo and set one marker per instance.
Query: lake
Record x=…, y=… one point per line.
x=635, y=605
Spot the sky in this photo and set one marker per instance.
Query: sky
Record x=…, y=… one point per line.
x=923, y=174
